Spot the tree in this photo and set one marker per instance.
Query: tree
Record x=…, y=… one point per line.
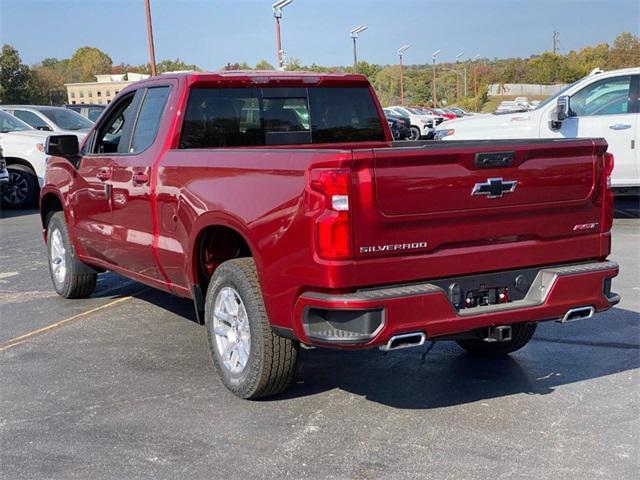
x=625, y=51
x=236, y=66
x=263, y=65
x=14, y=77
x=176, y=65
x=47, y=86
x=87, y=62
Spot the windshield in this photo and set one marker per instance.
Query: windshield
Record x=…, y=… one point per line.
x=547, y=101
x=415, y=111
x=9, y=123
x=66, y=119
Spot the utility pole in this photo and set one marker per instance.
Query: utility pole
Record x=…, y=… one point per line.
x=401, y=51
x=434, y=94
x=458, y=76
x=475, y=79
x=152, y=52
x=277, y=14
x=555, y=42
x=354, y=35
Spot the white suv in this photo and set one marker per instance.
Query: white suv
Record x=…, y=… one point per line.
x=23, y=151
x=51, y=119
x=422, y=125
x=603, y=104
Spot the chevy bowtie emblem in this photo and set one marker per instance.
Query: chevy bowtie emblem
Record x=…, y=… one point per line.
x=494, y=187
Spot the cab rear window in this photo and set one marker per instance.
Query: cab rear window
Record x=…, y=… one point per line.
x=244, y=117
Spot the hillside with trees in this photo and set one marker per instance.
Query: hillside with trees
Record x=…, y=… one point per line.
x=43, y=83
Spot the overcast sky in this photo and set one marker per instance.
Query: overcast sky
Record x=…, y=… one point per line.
x=211, y=33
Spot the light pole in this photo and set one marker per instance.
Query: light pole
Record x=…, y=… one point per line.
x=475, y=80
x=458, y=76
x=401, y=51
x=277, y=14
x=152, y=53
x=435, y=98
x=354, y=34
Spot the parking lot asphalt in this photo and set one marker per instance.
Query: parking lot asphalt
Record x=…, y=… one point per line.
x=121, y=386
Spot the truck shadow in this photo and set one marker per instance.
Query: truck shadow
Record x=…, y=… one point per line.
x=627, y=207
x=448, y=376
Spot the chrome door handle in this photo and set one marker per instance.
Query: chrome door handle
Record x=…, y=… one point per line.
x=619, y=126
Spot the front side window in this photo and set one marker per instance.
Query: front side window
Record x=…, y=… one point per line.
x=9, y=123
x=149, y=118
x=609, y=96
x=111, y=134
x=241, y=117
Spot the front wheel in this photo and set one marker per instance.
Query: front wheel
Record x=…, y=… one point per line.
x=71, y=278
x=521, y=333
x=250, y=359
x=414, y=134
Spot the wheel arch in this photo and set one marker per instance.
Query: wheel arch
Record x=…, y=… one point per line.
x=19, y=161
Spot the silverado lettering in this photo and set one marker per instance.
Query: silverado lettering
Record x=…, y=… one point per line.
x=251, y=194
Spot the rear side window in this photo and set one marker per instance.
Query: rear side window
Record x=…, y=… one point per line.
x=243, y=117
x=149, y=118
x=31, y=118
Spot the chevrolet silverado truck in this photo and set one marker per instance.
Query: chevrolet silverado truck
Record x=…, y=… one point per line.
x=279, y=203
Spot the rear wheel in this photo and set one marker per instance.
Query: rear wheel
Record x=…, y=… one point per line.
x=22, y=189
x=71, y=278
x=414, y=133
x=521, y=333
x=251, y=360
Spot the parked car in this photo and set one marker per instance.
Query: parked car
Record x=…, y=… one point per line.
x=50, y=119
x=23, y=150
x=4, y=173
x=402, y=124
x=430, y=112
x=422, y=125
x=443, y=112
x=358, y=242
x=602, y=104
x=91, y=111
x=460, y=112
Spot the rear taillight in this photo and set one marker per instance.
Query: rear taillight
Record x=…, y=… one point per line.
x=332, y=229
x=606, y=193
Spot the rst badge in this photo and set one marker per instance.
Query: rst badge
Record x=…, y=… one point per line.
x=393, y=247
x=494, y=187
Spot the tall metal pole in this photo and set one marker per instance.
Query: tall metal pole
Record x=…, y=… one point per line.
x=355, y=55
x=465, y=79
x=401, y=82
x=458, y=76
x=278, y=42
x=435, y=95
x=152, y=53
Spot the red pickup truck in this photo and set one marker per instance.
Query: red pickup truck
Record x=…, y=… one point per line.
x=279, y=203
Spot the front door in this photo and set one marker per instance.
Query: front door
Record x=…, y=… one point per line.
x=606, y=108
x=91, y=194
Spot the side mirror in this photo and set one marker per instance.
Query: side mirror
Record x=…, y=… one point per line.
x=44, y=128
x=561, y=111
x=62, y=146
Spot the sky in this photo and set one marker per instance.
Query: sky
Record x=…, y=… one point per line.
x=210, y=33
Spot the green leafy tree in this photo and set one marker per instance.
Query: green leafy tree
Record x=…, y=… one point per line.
x=46, y=86
x=15, y=77
x=176, y=65
x=86, y=63
x=387, y=85
x=263, y=65
x=625, y=51
x=236, y=66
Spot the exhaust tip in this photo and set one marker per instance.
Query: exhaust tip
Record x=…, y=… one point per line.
x=406, y=340
x=579, y=313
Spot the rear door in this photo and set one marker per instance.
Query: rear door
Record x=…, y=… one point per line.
x=132, y=213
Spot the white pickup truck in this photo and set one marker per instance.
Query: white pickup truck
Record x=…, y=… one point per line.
x=603, y=104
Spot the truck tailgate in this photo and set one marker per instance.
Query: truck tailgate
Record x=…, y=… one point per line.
x=448, y=199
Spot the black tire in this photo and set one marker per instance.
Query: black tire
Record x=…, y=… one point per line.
x=414, y=133
x=79, y=279
x=521, y=333
x=272, y=359
x=22, y=189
